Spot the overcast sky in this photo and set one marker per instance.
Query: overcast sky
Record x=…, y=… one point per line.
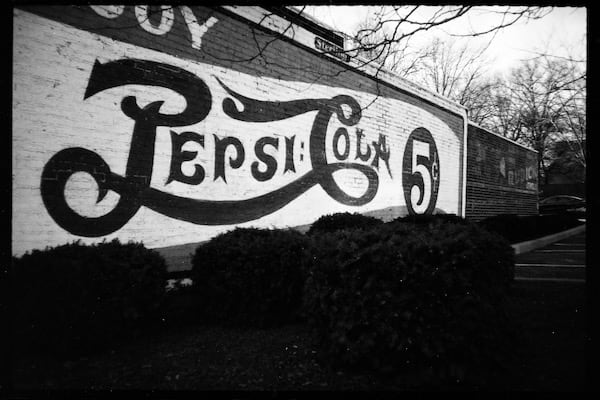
x=561, y=33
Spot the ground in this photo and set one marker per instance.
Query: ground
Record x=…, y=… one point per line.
x=550, y=355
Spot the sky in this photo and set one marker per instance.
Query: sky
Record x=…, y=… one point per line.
x=560, y=33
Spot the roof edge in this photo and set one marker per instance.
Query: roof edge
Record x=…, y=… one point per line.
x=303, y=37
x=501, y=137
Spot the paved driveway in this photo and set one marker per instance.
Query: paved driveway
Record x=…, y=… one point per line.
x=560, y=261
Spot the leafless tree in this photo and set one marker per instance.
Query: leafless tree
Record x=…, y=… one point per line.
x=574, y=125
x=443, y=66
x=403, y=59
x=503, y=113
x=572, y=93
x=540, y=103
x=385, y=33
x=458, y=72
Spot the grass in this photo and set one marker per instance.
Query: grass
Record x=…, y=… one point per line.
x=549, y=355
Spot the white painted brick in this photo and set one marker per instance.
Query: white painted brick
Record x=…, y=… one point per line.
x=52, y=63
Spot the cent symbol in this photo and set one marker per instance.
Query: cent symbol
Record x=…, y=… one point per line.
x=420, y=172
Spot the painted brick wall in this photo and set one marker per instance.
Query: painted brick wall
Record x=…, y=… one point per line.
x=171, y=127
x=501, y=176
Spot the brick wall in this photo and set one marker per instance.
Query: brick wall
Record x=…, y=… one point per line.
x=501, y=176
x=171, y=127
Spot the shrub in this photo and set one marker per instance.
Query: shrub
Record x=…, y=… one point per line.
x=404, y=296
x=75, y=299
x=522, y=228
x=338, y=221
x=180, y=306
x=250, y=276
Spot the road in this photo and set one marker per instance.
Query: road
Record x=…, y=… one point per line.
x=562, y=261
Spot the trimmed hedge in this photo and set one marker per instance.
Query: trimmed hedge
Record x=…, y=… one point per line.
x=411, y=297
x=338, y=221
x=250, y=276
x=522, y=228
x=76, y=299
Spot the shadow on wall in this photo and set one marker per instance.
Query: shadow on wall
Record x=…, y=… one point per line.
x=179, y=257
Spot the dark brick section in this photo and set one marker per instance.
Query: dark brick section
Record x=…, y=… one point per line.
x=501, y=176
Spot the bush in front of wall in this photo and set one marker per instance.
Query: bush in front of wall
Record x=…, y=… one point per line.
x=77, y=299
x=249, y=276
x=411, y=297
x=338, y=221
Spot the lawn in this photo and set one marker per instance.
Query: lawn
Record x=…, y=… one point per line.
x=549, y=356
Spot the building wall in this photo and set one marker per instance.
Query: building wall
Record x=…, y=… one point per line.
x=501, y=176
x=171, y=127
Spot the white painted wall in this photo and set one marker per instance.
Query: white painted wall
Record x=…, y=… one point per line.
x=51, y=68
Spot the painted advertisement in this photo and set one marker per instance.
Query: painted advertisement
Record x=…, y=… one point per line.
x=142, y=126
x=501, y=176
